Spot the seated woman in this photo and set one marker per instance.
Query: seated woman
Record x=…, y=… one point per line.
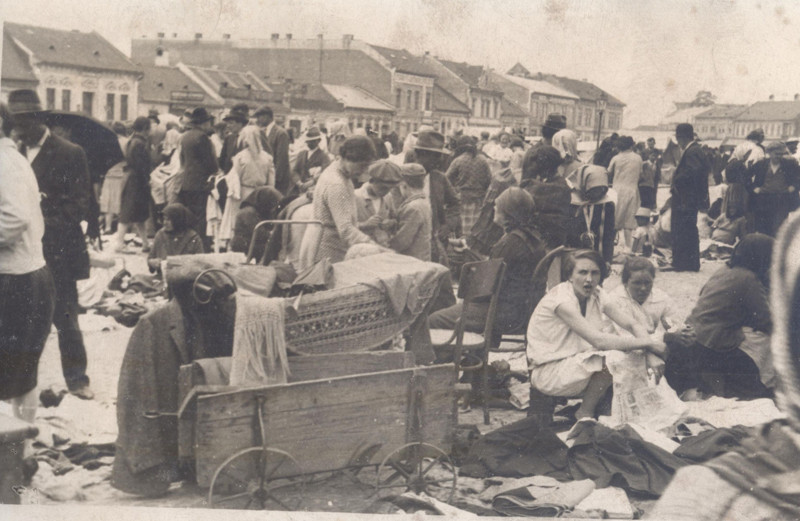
x=714, y=353
x=566, y=337
x=260, y=205
x=176, y=237
x=521, y=247
x=637, y=298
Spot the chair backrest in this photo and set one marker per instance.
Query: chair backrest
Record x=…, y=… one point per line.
x=549, y=272
x=480, y=280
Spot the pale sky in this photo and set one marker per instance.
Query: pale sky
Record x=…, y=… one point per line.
x=648, y=53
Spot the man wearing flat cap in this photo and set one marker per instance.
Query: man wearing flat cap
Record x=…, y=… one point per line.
x=199, y=165
x=414, y=218
x=235, y=120
x=689, y=194
x=774, y=185
x=374, y=205
x=277, y=144
x=445, y=204
x=63, y=175
x=310, y=162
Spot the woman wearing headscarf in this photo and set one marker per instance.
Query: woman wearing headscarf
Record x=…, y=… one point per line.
x=756, y=479
x=470, y=175
x=624, y=172
x=521, y=247
x=176, y=237
x=715, y=353
x=774, y=184
x=260, y=205
x=592, y=211
x=252, y=168
x=566, y=142
x=337, y=135
x=335, y=201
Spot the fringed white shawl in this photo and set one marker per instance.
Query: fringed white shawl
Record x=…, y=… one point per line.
x=259, y=345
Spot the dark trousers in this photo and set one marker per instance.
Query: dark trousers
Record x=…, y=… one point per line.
x=70, y=339
x=196, y=201
x=730, y=374
x=685, y=239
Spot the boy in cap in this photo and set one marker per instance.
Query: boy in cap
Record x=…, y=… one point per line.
x=374, y=205
x=414, y=217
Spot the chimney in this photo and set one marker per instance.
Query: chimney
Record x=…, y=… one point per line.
x=772, y=97
x=162, y=58
x=174, y=35
x=198, y=36
x=289, y=36
x=275, y=36
x=160, y=36
x=226, y=36
x=347, y=39
x=797, y=97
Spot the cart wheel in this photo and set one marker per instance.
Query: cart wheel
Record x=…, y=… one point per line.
x=250, y=479
x=422, y=467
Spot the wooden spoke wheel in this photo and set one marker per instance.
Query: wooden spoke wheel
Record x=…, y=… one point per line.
x=418, y=467
x=258, y=478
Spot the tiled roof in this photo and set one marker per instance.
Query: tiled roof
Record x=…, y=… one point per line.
x=771, y=111
x=445, y=102
x=583, y=89
x=471, y=74
x=513, y=110
x=354, y=97
x=404, y=61
x=722, y=111
x=70, y=48
x=15, y=62
x=540, y=86
x=158, y=84
x=217, y=78
x=314, y=97
x=518, y=70
x=683, y=116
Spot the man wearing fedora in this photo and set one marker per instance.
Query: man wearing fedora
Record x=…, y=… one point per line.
x=235, y=121
x=445, y=205
x=199, y=165
x=277, y=141
x=310, y=163
x=63, y=175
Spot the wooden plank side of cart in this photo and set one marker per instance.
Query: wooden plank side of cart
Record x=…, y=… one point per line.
x=329, y=424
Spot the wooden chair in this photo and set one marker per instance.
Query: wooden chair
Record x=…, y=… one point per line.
x=547, y=274
x=479, y=282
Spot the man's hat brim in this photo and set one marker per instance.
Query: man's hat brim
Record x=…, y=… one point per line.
x=443, y=151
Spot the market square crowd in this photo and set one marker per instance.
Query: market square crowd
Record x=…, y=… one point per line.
x=443, y=199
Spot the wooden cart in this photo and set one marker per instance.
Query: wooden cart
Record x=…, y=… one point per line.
x=338, y=411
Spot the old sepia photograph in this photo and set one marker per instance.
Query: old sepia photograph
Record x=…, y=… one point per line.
x=383, y=259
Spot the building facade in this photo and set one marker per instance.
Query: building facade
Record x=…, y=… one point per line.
x=539, y=98
x=718, y=122
x=76, y=72
x=778, y=119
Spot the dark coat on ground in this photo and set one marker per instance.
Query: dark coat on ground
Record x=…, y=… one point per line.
x=197, y=158
x=63, y=176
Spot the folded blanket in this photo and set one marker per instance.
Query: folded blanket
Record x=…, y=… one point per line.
x=544, y=499
x=259, y=344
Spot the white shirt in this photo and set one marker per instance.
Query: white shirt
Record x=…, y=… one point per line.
x=21, y=221
x=33, y=150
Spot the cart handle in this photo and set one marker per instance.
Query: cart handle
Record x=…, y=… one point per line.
x=271, y=221
x=197, y=284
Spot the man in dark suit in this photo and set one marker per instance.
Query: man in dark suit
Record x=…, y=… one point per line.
x=310, y=163
x=277, y=144
x=63, y=175
x=689, y=194
x=199, y=164
x=235, y=121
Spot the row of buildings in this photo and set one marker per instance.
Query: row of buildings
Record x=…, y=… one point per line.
x=303, y=80
x=780, y=119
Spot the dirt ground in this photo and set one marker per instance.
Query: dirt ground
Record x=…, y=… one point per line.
x=95, y=421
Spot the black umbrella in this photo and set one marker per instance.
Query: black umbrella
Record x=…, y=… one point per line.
x=102, y=152
x=97, y=139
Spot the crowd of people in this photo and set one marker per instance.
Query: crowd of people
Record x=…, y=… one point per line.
x=426, y=196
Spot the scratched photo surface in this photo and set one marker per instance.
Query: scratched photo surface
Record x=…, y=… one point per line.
x=637, y=68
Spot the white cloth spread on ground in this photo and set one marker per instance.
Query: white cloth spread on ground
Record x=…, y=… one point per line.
x=259, y=345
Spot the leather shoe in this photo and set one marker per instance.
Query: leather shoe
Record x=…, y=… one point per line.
x=83, y=392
